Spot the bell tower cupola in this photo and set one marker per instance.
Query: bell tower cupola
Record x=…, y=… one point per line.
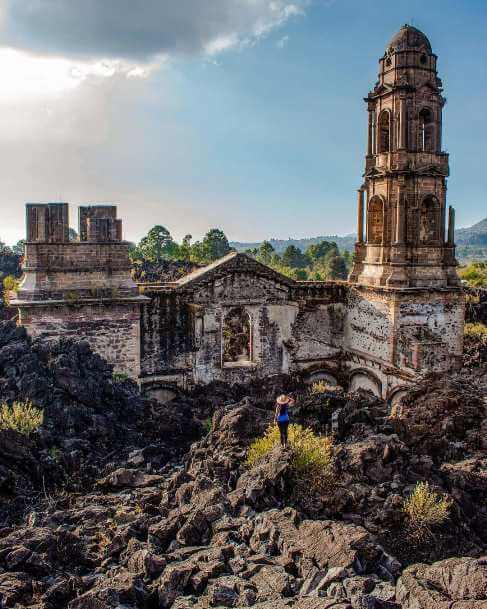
x=402, y=236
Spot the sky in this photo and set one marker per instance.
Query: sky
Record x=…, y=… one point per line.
x=246, y=115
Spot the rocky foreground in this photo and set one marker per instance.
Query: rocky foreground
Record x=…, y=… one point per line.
x=119, y=502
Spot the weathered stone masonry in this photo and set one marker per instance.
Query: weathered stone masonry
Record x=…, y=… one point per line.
x=400, y=314
x=81, y=288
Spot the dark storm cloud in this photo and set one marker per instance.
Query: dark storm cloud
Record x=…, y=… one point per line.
x=137, y=29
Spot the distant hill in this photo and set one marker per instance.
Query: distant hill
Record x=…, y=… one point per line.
x=472, y=242
x=473, y=235
x=344, y=242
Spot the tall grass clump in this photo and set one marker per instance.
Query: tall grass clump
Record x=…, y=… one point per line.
x=312, y=455
x=424, y=508
x=21, y=416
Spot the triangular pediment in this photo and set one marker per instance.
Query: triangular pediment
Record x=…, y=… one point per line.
x=231, y=264
x=431, y=170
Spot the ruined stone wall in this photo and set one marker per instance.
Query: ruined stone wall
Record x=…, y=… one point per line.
x=111, y=328
x=182, y=331
x=81, y=289
x=392, y=336
x=53, y=269
x=167, y=330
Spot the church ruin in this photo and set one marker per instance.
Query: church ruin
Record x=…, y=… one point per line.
x=399, y=315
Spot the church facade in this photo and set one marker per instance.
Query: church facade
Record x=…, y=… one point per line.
x=399, y=315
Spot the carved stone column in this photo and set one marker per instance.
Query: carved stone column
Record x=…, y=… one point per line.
x=402, y=123
x=370, y=143
x=360, y=215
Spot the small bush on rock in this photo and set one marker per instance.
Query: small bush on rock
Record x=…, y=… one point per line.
x=21, y=416
x=312, y=455
x=319, y=387
x=424, y=508
x=477, y=331
x=120, y=377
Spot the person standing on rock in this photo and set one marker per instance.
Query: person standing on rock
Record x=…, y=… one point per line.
x=283, y=403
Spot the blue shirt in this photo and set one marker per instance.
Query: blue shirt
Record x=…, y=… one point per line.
x=283, y=414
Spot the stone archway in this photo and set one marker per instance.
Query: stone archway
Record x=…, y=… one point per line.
x=321, y=374
x=361, y=378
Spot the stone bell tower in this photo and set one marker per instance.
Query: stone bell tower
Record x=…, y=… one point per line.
x=403, y=196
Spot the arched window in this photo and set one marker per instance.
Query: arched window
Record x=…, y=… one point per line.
x=426, y=130
x=375, y=221
x=237, y=337
x=429, y=220
x=384, y=132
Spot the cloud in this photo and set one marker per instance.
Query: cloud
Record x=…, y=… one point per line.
x=282, y=42
x=139, y=30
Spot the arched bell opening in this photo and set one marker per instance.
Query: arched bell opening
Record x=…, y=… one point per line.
x=426, y=130
x=375, y=221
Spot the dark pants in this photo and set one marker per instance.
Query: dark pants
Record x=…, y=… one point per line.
x=283, y=425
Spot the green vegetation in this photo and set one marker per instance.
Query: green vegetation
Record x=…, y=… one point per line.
x=158, y=245
x=10, y=284
x=9, y=271
x=477, y=331
x=320, y=261
x=312, y=455
x=21, y=416
x=120, y=377
x=424, y=508
x=475, y=274
x=320, y=387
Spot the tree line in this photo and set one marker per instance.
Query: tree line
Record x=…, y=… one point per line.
x=319, y=262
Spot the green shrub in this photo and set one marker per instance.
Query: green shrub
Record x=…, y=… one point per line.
x=21, y=416
x=120, y=377
x=425, y=508
x=312, y=455
x=475, y=274
x=478, y=330
x=322, y=387
x=208, y=424
x=10, y=284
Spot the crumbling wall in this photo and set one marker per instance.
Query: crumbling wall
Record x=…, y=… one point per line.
x=166, y=335
x=116, y=337
x=369, y=324
x=318, y=332
x=428, y=334
x=287, y=335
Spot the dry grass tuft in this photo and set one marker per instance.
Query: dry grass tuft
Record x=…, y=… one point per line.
x=425, y=508
x=21, y=416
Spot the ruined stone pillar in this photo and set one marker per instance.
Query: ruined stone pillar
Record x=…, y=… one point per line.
x=451, y=226
x=402, y=123
x=360, y=218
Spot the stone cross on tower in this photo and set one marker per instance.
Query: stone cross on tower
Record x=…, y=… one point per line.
x=403, y=242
